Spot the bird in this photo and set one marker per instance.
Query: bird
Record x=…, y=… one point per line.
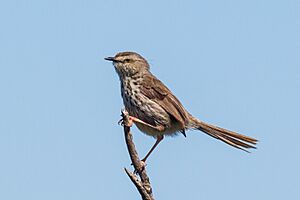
x=156, y=111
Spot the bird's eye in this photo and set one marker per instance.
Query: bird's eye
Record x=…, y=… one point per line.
x=127, y=60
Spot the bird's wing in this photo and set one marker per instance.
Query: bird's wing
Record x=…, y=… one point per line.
x=155, y=90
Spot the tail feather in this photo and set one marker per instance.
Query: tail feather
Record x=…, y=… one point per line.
x=234, y=139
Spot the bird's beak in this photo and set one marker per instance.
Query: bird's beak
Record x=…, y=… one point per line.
x=110, y=59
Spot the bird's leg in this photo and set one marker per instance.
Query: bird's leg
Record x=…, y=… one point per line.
x=136, y=120
x=143, y=161
x=132, y=119
x=158, y=140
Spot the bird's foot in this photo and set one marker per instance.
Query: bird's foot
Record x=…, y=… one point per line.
x=141, y=167
x=129, y=122
x=126, y=119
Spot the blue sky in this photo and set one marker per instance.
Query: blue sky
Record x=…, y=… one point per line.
x=232, y=63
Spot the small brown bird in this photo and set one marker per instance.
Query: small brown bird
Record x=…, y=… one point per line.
x=156, y=111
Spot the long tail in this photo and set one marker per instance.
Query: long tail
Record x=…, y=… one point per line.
x=236, y=140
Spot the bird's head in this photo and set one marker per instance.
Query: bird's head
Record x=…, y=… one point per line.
x=128, y=64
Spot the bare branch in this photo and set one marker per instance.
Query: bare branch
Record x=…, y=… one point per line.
x=142, y=183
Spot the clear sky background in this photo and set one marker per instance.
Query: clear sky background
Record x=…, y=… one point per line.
x=232, y=63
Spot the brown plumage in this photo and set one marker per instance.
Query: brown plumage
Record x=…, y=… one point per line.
x=156, y=111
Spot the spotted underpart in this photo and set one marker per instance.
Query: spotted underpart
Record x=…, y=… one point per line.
x=139, y=106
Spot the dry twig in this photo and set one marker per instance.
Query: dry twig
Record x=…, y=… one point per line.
x=140, y=179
